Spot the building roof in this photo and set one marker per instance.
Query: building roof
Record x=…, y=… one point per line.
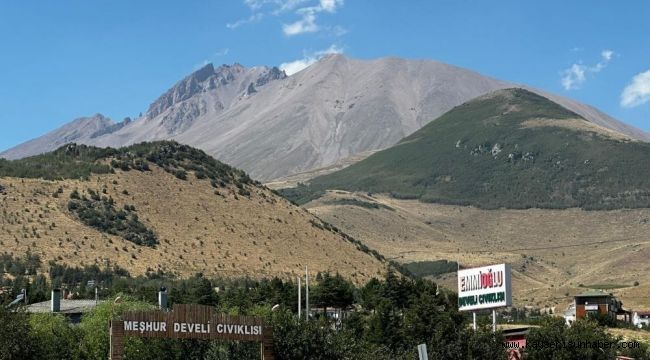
x=594, y=293
x=67, y=306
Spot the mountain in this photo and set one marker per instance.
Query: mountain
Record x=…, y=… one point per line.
x=507, y=149
x=164, y=207
x=79, y=130
x=272, y=126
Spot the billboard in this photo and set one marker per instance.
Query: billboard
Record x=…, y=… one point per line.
x=484, y=287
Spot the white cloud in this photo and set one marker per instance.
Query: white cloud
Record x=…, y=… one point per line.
x=330, y=5
x=333, y=49
x=288, y=5
x=251, y=19
x=307, y=23
x=607, y=55
x=293, y=67
x=307, y=10
x=573, y=77
x=257, y=4
x=576, y=75
x=279, y=5
x=638, y=91
x=222, y=52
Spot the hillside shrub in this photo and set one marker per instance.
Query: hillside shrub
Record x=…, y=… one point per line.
x=100, y=213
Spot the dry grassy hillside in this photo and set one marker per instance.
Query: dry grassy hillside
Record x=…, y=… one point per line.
x=552, y=251
x=199, y=228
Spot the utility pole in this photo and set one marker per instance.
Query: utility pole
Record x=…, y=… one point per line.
x=299, y=297
x=306, y=293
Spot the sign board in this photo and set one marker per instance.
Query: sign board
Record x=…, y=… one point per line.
x=591, y=307
x=189, y=322
x=484, y=287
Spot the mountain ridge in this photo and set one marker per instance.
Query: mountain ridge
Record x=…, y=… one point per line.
x=273, y=126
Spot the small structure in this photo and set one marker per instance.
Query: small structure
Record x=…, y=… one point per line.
x=331, y=313
x=570, y=314
x=641, y=319
x=599, y=302
x=71, y=309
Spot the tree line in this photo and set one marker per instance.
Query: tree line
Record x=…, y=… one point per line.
x=386, y=319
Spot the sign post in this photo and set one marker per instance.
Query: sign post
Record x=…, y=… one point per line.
x=422, y=352
x=474, y=320
x=299, y=298
x=487, y=287
x=189, y=322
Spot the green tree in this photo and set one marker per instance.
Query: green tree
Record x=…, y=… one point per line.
x=56, y=338
x=554, y=340
x=371, y=294
x=297, y=339
x=463, y=343
x=384, y=326
x=16, y=340
x=94, y=327
x=334, y=291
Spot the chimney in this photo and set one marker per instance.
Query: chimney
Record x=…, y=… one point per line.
x=162, y=298
x=55, y=304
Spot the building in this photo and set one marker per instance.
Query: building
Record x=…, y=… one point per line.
x=595, y=302
x=71, y=309
x=641, y=319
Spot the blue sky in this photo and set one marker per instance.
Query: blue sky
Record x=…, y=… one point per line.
x=64, y=59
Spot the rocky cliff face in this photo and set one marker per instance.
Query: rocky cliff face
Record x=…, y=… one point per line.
x=271, y=125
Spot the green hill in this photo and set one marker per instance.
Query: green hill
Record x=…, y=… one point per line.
x=511, y=149
x=74, y=161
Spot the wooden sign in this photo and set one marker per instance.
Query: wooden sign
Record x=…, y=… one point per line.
x=189, y=322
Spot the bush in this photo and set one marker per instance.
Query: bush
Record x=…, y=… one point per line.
x=100, y=213
x=74, y=161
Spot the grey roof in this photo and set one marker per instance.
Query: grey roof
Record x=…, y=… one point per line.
x=67, y=306
x=594, y=293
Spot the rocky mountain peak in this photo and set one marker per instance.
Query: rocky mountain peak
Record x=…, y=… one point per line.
x=273, y=73
x=208, y=78
x=183, y=90
x=203, y=73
